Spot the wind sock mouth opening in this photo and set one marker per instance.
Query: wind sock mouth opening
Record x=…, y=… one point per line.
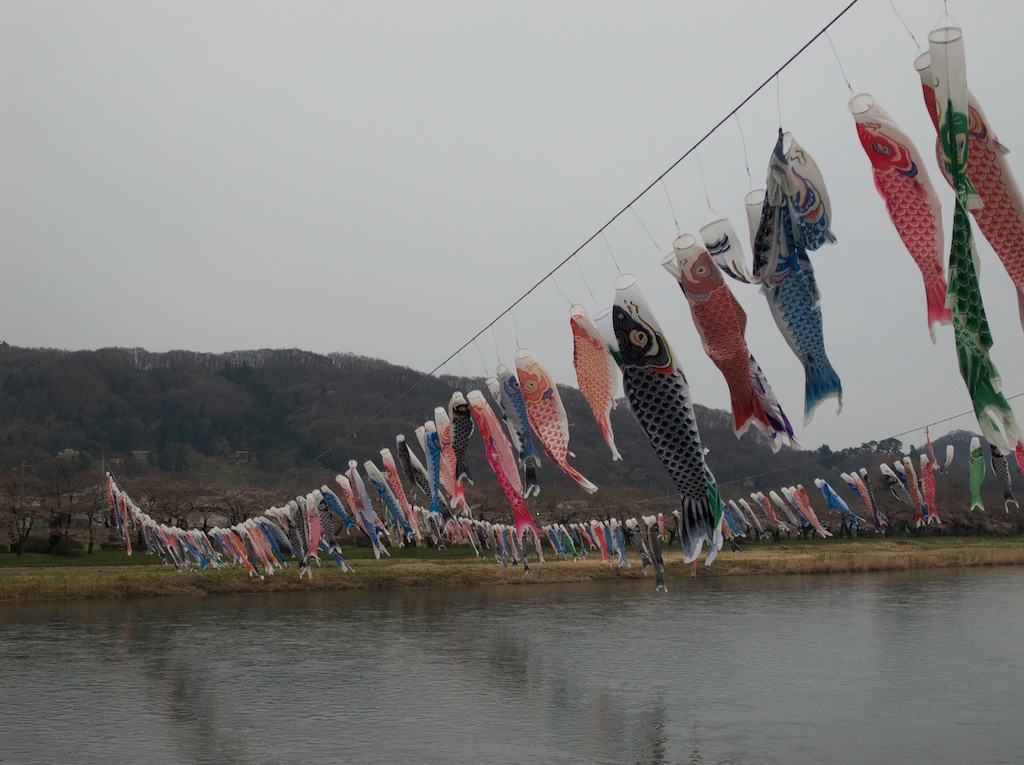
x=787, y=142
x=713, y=225
x=683, y=242
x=860, y=103
x=603, y=321
x=523, y=353
x=945, y=35
x=670, y=263
x=577, y=311
x=923, y=62
x=624, y=281
x=755, y=197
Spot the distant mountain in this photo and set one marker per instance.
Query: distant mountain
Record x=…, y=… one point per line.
x=281, y=410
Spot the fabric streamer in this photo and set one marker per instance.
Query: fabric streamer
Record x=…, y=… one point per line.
x=977, y=474
x=835, y=502
x=395, y=480
x=499, y=455
x=547, y=414
x=750, y=512
x=899, y=490
x=912, y=487
x=508, y=394
x=724, y=247
x=596, y=372
x=462, y=429
x=928, y=489
x=1001, y=214
x=769, y=511
x=659, y=398
x=443, y=426
x=654, y=544
x=721, y=323
x=947, y=71
x=910, y=199
x=414, y=470
x=794, y=218
x=804, y=503
x=1002, y=473
x=865, y=481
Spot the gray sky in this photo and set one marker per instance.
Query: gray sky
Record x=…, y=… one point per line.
x=383, y=178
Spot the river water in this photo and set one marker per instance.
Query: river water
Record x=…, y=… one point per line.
x=911, y=667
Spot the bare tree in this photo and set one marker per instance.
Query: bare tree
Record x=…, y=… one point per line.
x=18, y=506
x=239, y=504
x=65, y=482
x=92, y=506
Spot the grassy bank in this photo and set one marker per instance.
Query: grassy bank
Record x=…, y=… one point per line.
x=114, y=575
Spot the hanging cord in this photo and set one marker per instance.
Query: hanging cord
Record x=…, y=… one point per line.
x=555, y=282
x=746, y=161
x=704, y=183
x=904, y=23
x=945, y=17
x=601, y=230
x=656, y=245
x=593, y=300
x=497, y=353
x=609, y=246
x=778, y=100
x=483, y=364
x=671, y=207
x=516, y=325
x=843, y=71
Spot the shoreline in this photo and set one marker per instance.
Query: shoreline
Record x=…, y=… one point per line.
x=434, y=569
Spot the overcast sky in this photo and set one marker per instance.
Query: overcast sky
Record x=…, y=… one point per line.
x=384, y=178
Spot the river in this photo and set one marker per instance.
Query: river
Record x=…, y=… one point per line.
x=908, y=667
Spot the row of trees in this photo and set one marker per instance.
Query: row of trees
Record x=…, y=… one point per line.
x=66, y=495
x=50, y=493
x=68, y=492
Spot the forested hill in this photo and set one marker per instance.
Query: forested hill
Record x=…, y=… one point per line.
x=287, y=408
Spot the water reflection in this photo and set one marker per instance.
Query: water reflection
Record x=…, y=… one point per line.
x=911, y=666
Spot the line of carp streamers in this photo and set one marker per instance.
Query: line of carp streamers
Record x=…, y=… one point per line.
x=305, y=527
x=789, y=218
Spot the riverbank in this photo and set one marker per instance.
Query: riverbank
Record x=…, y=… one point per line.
x=80, y=578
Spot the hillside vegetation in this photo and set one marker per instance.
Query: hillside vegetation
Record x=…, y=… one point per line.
x=257, y=418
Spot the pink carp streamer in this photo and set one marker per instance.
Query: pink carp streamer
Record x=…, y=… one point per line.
x=596, y=372
x=499, y=455
x=910, y=199
x=395, y=480
x=803, y=502
x=547, y=414
x=769, y=511
x=910, y=477
x=448, y=459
